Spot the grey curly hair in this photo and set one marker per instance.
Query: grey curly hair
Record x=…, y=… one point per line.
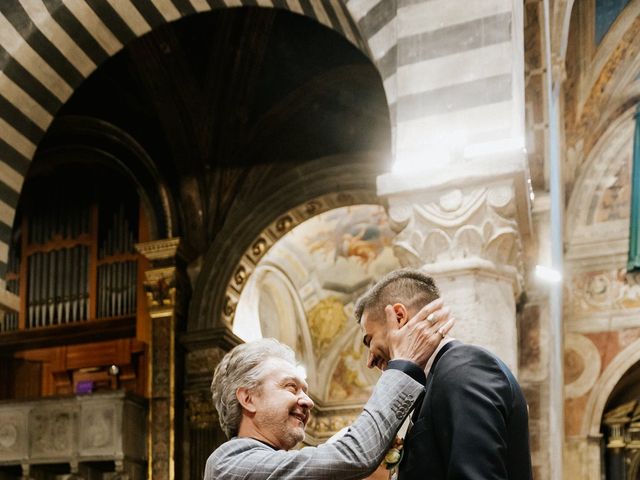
x=243, y=367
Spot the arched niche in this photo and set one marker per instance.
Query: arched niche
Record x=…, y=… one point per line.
x=271, y=307
x=603, y=388
x=256, y=226
x=85, y=140
x=619, y=427
x=302, y=292
x=55, y=49
x=598, y=211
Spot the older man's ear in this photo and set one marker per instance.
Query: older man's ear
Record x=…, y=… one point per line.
x=245, y=398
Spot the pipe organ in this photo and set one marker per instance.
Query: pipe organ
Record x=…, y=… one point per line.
x=117, y=268
x=74, y=263
x=76, y=271
x=58, y=291
x=79, y=340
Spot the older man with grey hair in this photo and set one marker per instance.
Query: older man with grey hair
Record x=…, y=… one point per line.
x=262, y=400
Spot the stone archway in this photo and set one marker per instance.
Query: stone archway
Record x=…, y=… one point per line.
x=51, y=49
x=583, y=452
x=604, y=386
x=214, y=301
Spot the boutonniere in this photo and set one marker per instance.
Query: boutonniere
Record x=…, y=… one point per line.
x=394, y=456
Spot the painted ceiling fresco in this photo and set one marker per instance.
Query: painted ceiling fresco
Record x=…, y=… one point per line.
x=303, y=292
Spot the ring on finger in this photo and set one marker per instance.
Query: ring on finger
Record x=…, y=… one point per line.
x=431, y=317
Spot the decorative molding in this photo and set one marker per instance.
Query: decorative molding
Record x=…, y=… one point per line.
x=475, y=228
x=582, y=365
x=598, y=210
x=97, y=427
x=603, y=100
x=276, y=230
x=608, y=291
x=159, y=249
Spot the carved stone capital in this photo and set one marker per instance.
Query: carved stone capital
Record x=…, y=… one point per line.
x=473, y=228
x=160, y=289
x=166, y=248
x=160, y=279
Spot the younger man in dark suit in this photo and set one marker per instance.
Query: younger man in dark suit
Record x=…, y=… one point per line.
x=473, y=421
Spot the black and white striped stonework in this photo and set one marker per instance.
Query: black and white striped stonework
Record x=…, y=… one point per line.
x=48, y=47
x=442, y=62
x=456, y=62
x=447, y=65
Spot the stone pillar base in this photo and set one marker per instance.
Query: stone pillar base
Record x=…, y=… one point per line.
x=469, y=239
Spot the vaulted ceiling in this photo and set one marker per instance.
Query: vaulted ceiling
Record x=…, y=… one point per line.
x=220, y=101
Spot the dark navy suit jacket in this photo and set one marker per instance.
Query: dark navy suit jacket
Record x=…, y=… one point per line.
x=473, y=421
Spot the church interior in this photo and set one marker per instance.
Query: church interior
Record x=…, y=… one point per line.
x=181, y=176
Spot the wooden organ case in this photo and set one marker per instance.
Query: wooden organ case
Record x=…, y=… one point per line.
x=73, y=360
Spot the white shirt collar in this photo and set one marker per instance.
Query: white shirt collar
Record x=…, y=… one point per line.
x=432, y=358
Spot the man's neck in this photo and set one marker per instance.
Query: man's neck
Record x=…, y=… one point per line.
x=433, y=357
x=248, y=430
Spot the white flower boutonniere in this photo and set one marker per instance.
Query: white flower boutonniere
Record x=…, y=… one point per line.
x=394, y=456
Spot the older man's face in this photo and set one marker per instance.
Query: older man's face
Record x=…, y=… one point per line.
x=282, y=404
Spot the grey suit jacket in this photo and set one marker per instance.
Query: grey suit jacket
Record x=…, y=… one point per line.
x=355, y=455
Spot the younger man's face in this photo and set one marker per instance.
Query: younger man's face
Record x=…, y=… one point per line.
x=376, y=328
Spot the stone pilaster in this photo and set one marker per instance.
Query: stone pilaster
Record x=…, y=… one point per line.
x=204, y=350
x=160, y=288
x=469, y=238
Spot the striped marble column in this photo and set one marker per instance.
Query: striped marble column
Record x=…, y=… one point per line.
x=459, y=189
x=460, y=80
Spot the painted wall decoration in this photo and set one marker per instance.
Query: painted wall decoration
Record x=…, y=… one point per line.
x=348, y=381
x=613, y=200
x=358, y=233
x=603, y=290
x=326, y=321
x=582, y=365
